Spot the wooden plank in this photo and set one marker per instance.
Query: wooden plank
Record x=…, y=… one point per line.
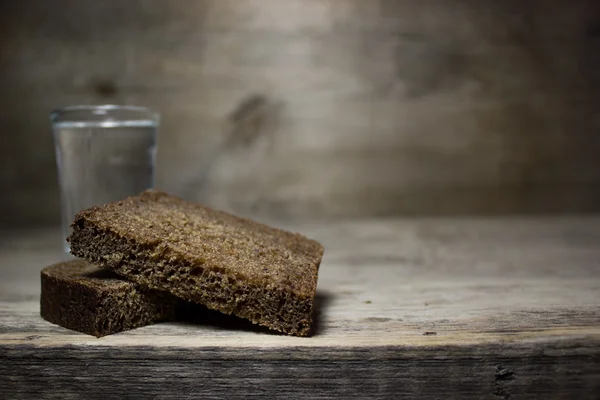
x=427, y=308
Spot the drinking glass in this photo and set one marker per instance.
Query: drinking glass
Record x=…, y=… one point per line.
x=103, y=154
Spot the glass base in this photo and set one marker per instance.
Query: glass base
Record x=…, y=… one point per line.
x=67, y=247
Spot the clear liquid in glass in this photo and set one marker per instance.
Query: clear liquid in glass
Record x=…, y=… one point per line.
x=101, y=162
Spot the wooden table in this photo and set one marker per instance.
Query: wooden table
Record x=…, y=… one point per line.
x=440, y=308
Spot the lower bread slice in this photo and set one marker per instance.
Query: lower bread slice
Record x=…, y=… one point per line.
x=80, y=296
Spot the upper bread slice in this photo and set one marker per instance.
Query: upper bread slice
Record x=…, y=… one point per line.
x=228, y=263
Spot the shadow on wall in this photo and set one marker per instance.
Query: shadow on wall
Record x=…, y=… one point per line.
x=318, y=109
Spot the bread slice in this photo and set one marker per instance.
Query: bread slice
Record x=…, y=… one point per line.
x=80, y=296
x=230, y=264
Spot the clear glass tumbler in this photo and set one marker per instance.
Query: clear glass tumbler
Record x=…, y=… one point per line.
x=104, y=154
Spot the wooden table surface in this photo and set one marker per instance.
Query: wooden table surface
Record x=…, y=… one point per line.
x=503, y=308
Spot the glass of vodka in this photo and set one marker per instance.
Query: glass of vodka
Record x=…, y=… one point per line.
x=104, y=154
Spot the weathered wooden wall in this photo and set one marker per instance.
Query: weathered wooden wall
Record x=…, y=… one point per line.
x=298, y=108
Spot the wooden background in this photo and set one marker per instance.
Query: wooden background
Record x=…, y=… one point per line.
x=318, y=108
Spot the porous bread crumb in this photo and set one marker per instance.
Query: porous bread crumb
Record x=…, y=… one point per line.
x=80, y=296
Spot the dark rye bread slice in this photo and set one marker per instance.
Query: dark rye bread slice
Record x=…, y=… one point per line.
x=230, y=264
x=80, y=296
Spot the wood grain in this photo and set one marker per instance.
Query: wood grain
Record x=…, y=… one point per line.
x=425, y=308
x=374, y=107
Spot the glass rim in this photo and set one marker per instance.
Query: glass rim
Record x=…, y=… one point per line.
x=64, y=111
